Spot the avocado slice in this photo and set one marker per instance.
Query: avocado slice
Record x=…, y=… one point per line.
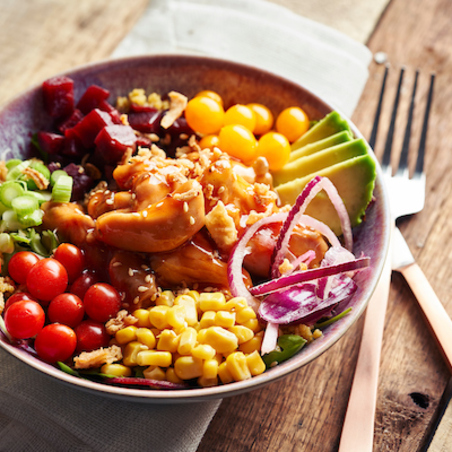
x=354, y=179
x=329, y=125
x=322, y=159
x=333, y=140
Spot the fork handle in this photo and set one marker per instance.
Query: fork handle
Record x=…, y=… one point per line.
x=358, y=429
x=436, y=315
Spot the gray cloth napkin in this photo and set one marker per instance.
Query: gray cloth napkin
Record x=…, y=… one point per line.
x=38, y=413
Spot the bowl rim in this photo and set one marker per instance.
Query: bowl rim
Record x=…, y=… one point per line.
x=230, y=389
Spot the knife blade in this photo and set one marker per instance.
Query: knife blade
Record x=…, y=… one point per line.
x=435, y=313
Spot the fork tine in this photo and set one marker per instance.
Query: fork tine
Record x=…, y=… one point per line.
x=403, y=162
x=386, y=161
x=421, y=152
x=373, y=135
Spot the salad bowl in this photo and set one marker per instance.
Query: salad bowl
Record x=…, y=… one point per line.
x=24, y=115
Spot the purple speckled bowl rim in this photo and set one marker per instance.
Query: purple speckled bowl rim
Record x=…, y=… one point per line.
x=332, y=334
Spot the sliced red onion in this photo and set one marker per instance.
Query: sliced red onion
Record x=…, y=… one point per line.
x=311, y=190
x=298, y=302
x=270, y=338
x=155, y=384
x=235, y=263
x=305, y=258
x=309, y=275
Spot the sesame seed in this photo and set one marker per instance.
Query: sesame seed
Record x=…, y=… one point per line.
x=192, y=221
x=160, y=204
x=185, y=206
x=109, y=202
x=142, y=288
x=148, y=278
x=221, y=189
x=130, y=272
x=144, y=267
x=136, y=300
x=145, y=213
x=134, y=195
x=116, y=264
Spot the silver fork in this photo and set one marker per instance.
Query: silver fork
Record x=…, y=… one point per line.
x=407, y=196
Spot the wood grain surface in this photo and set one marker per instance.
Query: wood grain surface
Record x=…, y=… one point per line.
x=304, y=412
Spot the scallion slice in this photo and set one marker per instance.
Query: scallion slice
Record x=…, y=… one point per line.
x=6, y=243
x=9, y=191
x=17, y=171
x=10, y=221
x=62, y=189
x=11, y=163
x=41, y=196
x=24, y=205
x=32, y=219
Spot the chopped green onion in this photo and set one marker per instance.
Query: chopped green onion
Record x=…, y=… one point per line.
x=10, y=221
x=62, y=189
x=41, y=168
x=9, y=191
x=56, y=175
x=41, y=196
x=17, y=171
x=49, y=240
x=20, y=237
x=333, y=319
x=6, y=243
x=10, y=164
x=65, y=368
x=24, y=205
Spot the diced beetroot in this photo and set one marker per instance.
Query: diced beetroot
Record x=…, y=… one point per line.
x=113, y=141
x=179, y=127
x=82, y=183
x=73, y=146
x=50, y=143
x=146, y=121
x=58, y=93
x=144, y=142
x=141, y=108
x=115, y=115
x=70, y=122
x=92, y=98
x=88, y=128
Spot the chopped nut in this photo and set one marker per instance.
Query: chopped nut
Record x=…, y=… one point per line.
x=97, y=358
x=122, y=319
x=178, y=102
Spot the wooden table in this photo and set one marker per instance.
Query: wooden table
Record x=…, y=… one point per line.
x=305, y=411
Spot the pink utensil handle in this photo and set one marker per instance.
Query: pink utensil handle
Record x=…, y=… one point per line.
x=358, y=429
x=438, y=318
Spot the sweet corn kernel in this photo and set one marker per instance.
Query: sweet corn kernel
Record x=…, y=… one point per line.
x=223, y=341
x=143, y=318
x=224, y=374
x=255, y=363
x=317, y=333
x=126, y=335
x=154, y=373
x=210, y=369
x=146, y=337
x=157, y=317
x=207, y=319
x=171, y=376
x=236, y=303
x=187, y=340
x=253, y=325
x=214, y=301
x=176, y=317
x=237, y=366
x=205, y=382
x=245, y=314
x=189, y=303
x=168, y=341
x=187, y=367
x=131, y=351
x=252, y=345
x=243, y=333
x=118, y=370
x=154, y=358
x=225, y=319
x=166, y=298
x=194, y=294
x=203, y=351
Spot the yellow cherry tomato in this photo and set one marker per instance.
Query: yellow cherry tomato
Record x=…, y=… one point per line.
x=275, y=147
x=204, y=115
x=209, y=141
x=292, y=122
x=238, y=141
x=212, y=94
x=240, y=114
x=264, y=118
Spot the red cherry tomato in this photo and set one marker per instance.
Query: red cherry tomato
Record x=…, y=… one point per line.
x=19, y=296
x=72, y=259
x=102, y=302
x=47, y=279
x=55, y=342
x=91, y=335
x=67, y=309
x=82, y=284
x=24, y=319
x=20, y=265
